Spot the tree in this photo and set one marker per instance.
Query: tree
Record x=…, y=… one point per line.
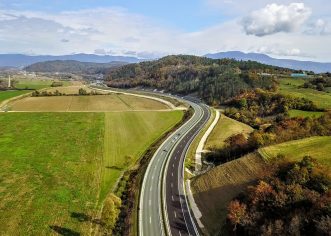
x=110, y=212
x=82, y=91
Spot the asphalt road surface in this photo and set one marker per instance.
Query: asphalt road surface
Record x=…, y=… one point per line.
x=163, y=208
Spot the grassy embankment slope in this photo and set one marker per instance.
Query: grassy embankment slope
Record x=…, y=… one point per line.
x=317, y=147
x=54, y=178
x=215, y=188
x=225, y=128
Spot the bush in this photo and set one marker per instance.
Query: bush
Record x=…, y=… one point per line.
x=110, y=212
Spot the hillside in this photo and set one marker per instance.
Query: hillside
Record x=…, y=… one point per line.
x=212, y=80
x=73, y=67
x=317, y=67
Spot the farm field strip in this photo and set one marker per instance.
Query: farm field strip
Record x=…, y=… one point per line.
x=4, y=95
x=112, y=102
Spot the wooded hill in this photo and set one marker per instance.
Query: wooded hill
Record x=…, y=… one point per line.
x=70, y=66
x=213, y=80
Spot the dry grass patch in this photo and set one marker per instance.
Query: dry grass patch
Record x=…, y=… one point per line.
x=213, y=190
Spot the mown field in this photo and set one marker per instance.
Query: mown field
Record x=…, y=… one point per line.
x=290, y=87
x=57, y=167
x=112, y=102
x=316, y=147
x=225, y=128
x=128, y=135
x=4, y=95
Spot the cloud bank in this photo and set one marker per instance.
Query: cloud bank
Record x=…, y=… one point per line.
x=276, y=18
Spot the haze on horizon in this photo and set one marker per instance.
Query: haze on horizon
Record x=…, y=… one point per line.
x=147, y=29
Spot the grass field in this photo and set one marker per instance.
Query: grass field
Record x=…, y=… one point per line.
x=290, y=87
x=299, y=113
x=4, y=95
x=46, y=176
x=36, y=83
x=113, y=102
x=225, y=128
x=55, y=166
x=317, y=147
x=72, y=89
x=128, y=135
x=214, y=189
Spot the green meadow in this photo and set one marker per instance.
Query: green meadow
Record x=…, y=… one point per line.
x=56, y=168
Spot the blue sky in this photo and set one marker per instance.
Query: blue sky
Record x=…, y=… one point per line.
x=186, y=14
x=281, y=28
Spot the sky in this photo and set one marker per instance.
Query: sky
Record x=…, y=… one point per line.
x=148, y=29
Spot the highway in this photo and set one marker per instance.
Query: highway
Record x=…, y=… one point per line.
x=163, y=207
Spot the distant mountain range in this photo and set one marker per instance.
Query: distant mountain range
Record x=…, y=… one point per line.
x=317, y=67
x=20, y=60
x=70, y=66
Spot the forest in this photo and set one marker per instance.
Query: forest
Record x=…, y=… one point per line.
x=213, y=80
x=292, y=198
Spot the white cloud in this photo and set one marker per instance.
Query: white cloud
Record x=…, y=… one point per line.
x=118, y=32
x=276, y=18
x=320, y=26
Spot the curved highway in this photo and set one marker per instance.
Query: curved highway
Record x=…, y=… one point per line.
x=163, y=207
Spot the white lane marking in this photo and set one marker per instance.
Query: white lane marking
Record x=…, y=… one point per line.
x=172, y=197
x=150, y=220
x=175, y=214
x=172, y=185
x=173, y=165
x=152, y=176
x=150, y=202
x=172, y=174
x=179, y=233
x=150, y=189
